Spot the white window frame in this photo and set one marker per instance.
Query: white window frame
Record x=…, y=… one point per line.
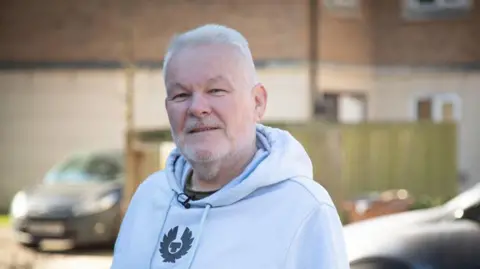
x=415, y=5
x=438, y=99
x=347, y=4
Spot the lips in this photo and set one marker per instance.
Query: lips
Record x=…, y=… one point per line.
x=202, y=129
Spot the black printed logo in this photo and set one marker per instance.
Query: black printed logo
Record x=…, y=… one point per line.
x=172, y=249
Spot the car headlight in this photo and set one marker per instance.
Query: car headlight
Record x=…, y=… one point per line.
x=93, y=206
x=19, y=206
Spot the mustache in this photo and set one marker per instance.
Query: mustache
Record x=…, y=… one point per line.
x=194, y=124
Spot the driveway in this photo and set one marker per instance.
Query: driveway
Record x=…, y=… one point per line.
x=14, y=256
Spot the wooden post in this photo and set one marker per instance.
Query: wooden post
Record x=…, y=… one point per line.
x=129, y=68
x=129, y=186
x=313, y=54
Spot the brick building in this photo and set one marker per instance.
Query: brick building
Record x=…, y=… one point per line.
x=355, y=32
x=61, y=66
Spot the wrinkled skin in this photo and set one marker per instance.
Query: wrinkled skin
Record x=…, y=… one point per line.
x=213, y=105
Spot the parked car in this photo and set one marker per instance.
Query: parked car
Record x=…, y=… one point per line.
x=443, y=237
x=77, y=203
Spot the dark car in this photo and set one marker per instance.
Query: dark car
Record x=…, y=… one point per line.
x=443, y=237
x=78, y=203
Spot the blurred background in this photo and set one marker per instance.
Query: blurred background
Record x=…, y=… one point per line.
x=383, y=95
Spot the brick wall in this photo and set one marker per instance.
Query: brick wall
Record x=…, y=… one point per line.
x=95, y=30
x=438, y=41
x=70, y=30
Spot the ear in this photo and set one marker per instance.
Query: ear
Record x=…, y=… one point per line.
x=261, y=96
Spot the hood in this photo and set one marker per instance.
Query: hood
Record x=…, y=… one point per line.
x=69, y=193
x=368, y=236
x=280, y=157
x=395, y=222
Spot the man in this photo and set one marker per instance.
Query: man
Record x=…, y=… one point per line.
x=235, y=193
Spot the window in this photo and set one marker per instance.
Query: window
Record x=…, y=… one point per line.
x=328, y=107
x=342, y=107
x=433, y=5
x=473, y=213
x=424, y=109
x=435, y=9
x=346, y=8
x=352, y=108
x=447, y=112
x=102, y=167
x=348, y=4
x=379, y=263
x=437, y=107
x=84, y=168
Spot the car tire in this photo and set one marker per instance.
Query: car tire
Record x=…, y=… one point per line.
x=34, y=245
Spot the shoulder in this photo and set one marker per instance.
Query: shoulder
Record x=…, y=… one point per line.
x=314, y=191
x=318, y=240
x=307, y=193
x=152, y=192
x=153, y=185
x=156, y=179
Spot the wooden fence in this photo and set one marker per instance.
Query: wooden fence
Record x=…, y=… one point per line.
x=351, y=160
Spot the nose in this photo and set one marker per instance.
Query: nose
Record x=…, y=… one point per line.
x=199, y=106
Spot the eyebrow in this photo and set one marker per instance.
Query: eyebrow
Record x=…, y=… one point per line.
x=216, y=78
x=220, y=78
x=172, y=86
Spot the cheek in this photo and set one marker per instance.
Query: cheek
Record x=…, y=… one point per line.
x=246, y=112
x=176, y=118
x=236, y=115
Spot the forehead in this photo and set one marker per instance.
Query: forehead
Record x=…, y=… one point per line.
x=201, y=64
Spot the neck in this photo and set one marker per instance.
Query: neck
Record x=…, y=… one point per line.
x=214, y=175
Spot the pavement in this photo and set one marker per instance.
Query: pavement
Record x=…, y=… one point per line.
x=15, y=256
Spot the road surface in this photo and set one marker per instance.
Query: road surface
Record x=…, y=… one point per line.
x=14, y=256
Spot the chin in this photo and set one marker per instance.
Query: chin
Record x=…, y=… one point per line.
x=204, y=155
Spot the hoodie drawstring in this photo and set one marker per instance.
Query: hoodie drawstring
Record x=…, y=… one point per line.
x=161, y=229
x=200, y=231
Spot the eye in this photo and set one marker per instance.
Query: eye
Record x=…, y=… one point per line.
x=217, y=91
x=180, y=97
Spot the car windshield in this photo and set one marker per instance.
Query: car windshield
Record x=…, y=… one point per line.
x=84, y=168
x=465, y=199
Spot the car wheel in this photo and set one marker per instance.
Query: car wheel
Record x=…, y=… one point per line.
x=34, y=245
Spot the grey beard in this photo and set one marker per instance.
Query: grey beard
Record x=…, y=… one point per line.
x=190, y=156
x=206, y=171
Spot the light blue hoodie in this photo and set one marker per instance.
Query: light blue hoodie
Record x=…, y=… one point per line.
x=272, y=216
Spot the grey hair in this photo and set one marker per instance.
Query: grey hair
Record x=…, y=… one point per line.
x=210, y=34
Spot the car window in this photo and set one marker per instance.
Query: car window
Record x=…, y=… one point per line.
x=72, y=165
x=103, y=167
x=473, y=213
x=379, y=263
x=86, y=167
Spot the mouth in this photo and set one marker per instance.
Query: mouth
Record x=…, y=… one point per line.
x=202, y=129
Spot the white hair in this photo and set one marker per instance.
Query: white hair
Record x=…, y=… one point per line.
x=210, y=34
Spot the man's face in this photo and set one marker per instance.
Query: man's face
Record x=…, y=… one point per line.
x=211, y=102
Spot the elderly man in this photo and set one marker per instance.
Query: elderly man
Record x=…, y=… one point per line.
x=235, y=193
